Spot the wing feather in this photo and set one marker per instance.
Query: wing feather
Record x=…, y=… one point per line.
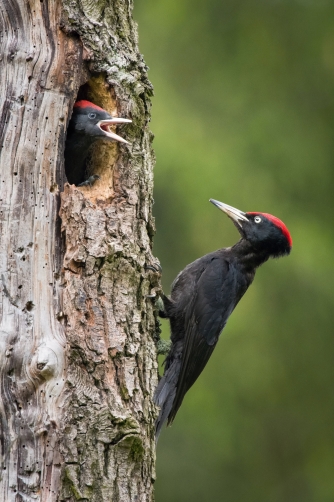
x=205, y=318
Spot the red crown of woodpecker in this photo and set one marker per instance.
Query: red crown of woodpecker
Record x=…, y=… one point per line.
x=87, y=104
x=278, y=223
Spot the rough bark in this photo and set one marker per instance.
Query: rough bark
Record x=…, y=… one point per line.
x=77, y=346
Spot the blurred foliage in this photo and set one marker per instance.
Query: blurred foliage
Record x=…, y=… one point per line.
x=244, y=113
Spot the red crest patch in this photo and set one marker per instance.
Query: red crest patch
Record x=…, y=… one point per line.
x=278, y=223
x=87, y=104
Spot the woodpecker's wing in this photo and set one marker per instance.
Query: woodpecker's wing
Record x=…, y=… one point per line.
x=216, y=294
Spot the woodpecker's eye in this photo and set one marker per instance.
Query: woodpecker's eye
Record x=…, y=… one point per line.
x=257, y=219
x=92, y=115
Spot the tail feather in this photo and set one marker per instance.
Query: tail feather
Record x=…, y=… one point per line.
x=165, y=394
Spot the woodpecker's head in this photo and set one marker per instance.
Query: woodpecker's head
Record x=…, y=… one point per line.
x=262, y=230
x=91, y=120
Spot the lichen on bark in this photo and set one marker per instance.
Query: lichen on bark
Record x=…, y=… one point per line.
x=111, y=322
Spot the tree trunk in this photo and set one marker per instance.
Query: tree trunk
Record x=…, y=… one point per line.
x=78, y=359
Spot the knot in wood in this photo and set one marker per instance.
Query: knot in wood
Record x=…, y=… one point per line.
x=44, y=363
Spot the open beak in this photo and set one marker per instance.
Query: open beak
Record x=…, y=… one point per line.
x=233, y=213
x=105, y=124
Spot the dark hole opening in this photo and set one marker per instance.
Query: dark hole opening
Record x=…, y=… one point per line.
x=88, y=125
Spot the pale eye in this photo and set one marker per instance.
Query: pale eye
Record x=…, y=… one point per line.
x=92, y=115
x=257, y=219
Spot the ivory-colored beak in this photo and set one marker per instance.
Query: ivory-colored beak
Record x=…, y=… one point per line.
x=233, y=213
x=104, y=126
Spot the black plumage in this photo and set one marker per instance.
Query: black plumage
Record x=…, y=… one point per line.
x=89, y=123
x=203, y=297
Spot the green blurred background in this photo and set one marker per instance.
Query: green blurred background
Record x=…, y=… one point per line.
x=244, y=113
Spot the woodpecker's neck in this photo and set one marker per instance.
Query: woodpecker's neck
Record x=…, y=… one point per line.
x=76, y=152
x=249, y=256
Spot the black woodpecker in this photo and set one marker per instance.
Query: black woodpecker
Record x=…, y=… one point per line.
x=88, y=124
x=203, y=297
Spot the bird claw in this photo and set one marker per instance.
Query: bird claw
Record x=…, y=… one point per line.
x=155, y=267
x=90, y=181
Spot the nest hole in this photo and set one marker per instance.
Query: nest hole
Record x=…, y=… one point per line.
x=90, y=151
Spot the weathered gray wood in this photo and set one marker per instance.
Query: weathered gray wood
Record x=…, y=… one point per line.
x=77, y=353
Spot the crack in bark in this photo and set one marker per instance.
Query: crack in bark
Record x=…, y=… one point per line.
x=7, y=294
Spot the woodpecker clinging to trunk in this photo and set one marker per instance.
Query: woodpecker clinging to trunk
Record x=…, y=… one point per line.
x=88, y=124
x=203, y=297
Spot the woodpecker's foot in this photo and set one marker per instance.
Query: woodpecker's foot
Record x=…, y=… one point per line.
x=159, y=304
x=90, y=181
x=155, y=292
x=167, y=306
x=163, y=346
x=155, y=267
